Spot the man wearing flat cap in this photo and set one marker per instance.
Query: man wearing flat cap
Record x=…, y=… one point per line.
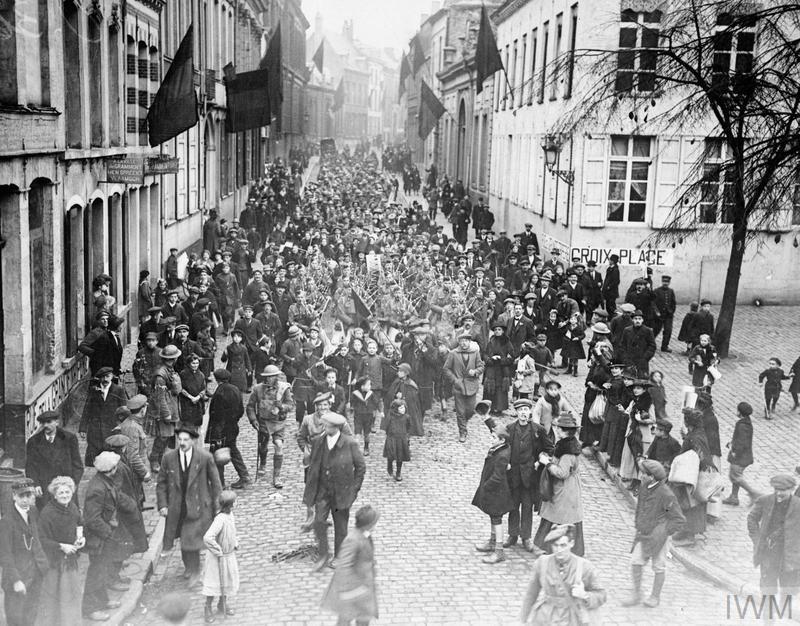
x=463, y=369
x=610, y=288
x=50, y=452
x=664, y=302
x=132, y=428
x=22, y=558
x=98, y=419
x=637, y=345
x=102, y=345
x=658, y=516
x=147, y=361
x=335, y=474
x=774, y=527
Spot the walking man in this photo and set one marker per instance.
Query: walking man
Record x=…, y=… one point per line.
x=527, y=441
x=98, y=418
x=740, y=455
x=610, y=289
x=188, y=493
x=269, y=404
x=50, y=452
x=463, y=368
x=664, y=302
x=335, y=474
x=658, y=516
x=224, y=412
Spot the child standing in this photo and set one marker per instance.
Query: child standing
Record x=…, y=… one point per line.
x=686, y=326
x=572, y=348
x=221, y=575
x=658, y=394
x=366, y=404
x=396, y=447
x=771, y=378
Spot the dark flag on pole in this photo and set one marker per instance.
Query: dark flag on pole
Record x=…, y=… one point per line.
x=248, y=101
x=319, y=56
x=487, y=58
x=405, y=72
x=338, y=97
x=272, y=63
x=418, y=53
x=174, y=109
x=430, y=110
x=361, y=307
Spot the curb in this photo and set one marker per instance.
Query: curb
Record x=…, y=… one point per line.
x=692, y=562
x=149, y=561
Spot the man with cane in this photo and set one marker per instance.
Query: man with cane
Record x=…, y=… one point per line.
x=269, y=404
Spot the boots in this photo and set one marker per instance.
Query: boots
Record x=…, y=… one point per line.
x=655, y=595
x=489, y=546
x=223, y=607
x=277, y=461
x=498, y=556
x=511, y=540
x=635, y=596
x=262, y=463
x=366, y=447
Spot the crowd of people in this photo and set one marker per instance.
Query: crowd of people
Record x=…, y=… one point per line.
x=332, y=303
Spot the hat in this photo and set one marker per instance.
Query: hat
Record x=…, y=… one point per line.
x=106, y=461
x=117, y=440
x=247, y=306
x=270, y=370
x=322, y=397
x=170, y=352
x=530, y=296
x=654, y=468
x=151, y=336
x=557, y=531
x=783, y=481
x=522, y=402
x=600, y=312
x=541, y=336
x=189, y=429
x=405, y=368
x=600, y=329
x=566, y=420
x=552, y=381
x=614, y=258
x=154, y=309
x=24, y=486
x=621, y=366
x=464, y=336
x=293, y=331
x=334, y=419
x=103, y=371
x=367, y=516
x=137, y=402
x=641, y=382
x=498, y=324
x=627, y=307
x=193, y=289
x=237, y=331
x=483, y=406
x=666, y=277
x=203, y=302
x=122, y=413
x=705, y=301
x=665, y=424
x=221, y=374
x=48, y=416
x=637, y=313
x=555, y=251
x=591, y=264
x=182, y=327
x=744, y=408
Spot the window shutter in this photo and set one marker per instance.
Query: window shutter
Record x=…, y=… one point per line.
x=691, y=169
x=667, y=180
x=538, y=173
x=595, y=173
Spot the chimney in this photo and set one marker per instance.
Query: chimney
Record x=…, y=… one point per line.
x=318, y=24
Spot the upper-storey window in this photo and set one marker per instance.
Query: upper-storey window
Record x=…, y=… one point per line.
x=638, y=50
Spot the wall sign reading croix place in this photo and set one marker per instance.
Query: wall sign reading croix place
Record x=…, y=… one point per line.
x=627, y=256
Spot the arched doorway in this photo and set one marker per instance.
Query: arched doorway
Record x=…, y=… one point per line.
x=73, y=270
x=461, y=139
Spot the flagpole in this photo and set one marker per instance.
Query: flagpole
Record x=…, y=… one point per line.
x=235, y=135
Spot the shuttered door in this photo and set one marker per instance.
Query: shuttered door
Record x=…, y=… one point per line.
x=595, y=173
x=667, y=180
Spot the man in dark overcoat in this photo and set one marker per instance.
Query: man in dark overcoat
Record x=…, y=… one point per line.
x=638, y=345
x=335, y=474
x=526, y=440
x=774, y=526
x=187, y=493
x=22, y=558
x=610, y=289
x=665, y=303
x=519, y=328
x=50, y=452
x=224, y=412
x=102, y=346
x=99, y=419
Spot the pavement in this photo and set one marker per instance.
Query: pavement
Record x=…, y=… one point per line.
x=428, y=571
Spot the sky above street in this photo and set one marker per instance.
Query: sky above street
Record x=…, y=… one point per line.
x=382, y=23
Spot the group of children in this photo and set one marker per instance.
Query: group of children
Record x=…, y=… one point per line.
x=771, y=379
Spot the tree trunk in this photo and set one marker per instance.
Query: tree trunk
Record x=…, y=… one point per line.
x=722, y=334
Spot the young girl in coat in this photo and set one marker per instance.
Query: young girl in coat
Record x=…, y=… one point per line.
x=396, y=447
x=221, y=573
x=366, y=404
x=572, y=343
x=658, y=394
x=237, y=361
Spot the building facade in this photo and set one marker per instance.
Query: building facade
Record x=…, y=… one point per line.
x=623, y=183
x=78, y=79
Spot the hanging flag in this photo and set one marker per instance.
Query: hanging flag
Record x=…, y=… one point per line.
x=319, y=55
x=174, y=109
x=248, y=101
x=430, y=110
x=361, y=307
x=338, y=97
x=418, y=53
x=405, y=72
x=272, y=63
x=487, y=57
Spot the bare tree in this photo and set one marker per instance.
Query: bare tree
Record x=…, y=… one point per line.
x=731, y=68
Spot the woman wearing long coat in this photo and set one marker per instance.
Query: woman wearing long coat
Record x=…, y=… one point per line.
x=695, y=512
x=638, y=436
x=237, y=362
x=566, y=504
x=600, y=357
x=193, y=383
x=409, y=391
x=499, y=360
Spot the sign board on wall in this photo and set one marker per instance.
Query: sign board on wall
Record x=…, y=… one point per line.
x=128, y=170
x=657, y=257
x=548, y=243
x=163, y=165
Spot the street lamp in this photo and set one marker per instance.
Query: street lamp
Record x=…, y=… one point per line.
x=552, y=157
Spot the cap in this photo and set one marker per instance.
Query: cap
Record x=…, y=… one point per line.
x=122, y=413
x=182, y=327
x=189, y=429
x=117, y=440
x=201, y=302
x=293, y=331
x=103, y=371
x=24, y=486
x=334, y=418
x=154, y=309
x=654, y=468
x=665, y=424
x=627, y=307
x=744, y=408
x=637, y=313
x=222, y=375
x=522, y=402
x=322, y=397
x=106, y=461
x=48, y=416
x=557, y=531
x=137, y=402
x=783, y=481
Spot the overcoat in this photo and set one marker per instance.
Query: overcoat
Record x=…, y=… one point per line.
x=44, y=461
x=352, y=592
x=758, y=528
x=17, y=561
x=566, y=505
x=457, y=366
x=346, y=473
x=189, y=515
x=493, y=495
x=98, y=419
x=106, y=511
x=524, y=472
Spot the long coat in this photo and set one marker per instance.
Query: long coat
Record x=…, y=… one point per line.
x=103, y=503
x=346, y=473
x=351, y=593
x=758, y=521
x=637, y=347
x=237, y=362
x=103, y=348
x=457, y=366
x=189, y=515
x=98, y=419
x=493, y=495
x=17, y=562
x=44, y=461
x=566, y=505
x=741, y=452
x=523, y=472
